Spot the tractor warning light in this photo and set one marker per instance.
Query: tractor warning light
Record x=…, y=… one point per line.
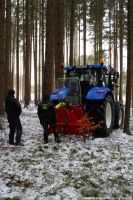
x=101, y=61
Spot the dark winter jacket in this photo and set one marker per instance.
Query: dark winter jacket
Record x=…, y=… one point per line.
x=12, y=107
x=46, y=113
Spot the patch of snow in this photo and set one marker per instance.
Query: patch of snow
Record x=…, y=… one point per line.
x=100, y=168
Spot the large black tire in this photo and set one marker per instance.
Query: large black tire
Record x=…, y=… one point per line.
x=102, y=112
x=119, y=115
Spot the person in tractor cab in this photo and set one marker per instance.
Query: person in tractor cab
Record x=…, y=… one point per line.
x=47, y=116
x=13, y=111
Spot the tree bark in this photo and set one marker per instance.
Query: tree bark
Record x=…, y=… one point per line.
x=121, y=35
x=8, y=47
x=49, y=53
x=84, y=29
x=27, y=58
x=59, y=39
x=35, y=56
x=129, y=67
x=17, y=49
x=42, y=41
x=2, y=53
x=115, y=38
x=72, y=32
x=79, y=33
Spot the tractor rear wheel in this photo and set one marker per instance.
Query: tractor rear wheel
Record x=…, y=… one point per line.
x=102, y=112
x=119, y=115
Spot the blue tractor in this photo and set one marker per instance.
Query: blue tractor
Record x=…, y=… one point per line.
x=92, y=86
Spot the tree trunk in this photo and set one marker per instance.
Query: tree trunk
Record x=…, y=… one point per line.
x=40, y=55
x=49, y=53
x=24, y=49
x=100, y=24
x=72, y=32
x=2, y=28
x=115, y=45
x=59, y=39
x=84, y=30
x=121, y=13
x=129, y=67
x=8, y=47
x=110, y=34
x=96, y=31
x=13, y=50
x=79, y=34
x=17, y=49
x=35, y=57
x=66, y=34
x=27, y=59
x=43, y=65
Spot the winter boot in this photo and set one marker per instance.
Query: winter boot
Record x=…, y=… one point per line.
x=11, y=138
x=18, y=138
x=45, y=136
x=56, y=137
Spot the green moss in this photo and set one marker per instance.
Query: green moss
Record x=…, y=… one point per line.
x=130, y=134
x=19, y=183
x=89, y=193
x=73, y=151
x=51, y=193
x=118, y=168
x=99, y=150
x=87, y=164
x=85, y=177
x=37, y=197
x=79, y=184
x=126, y=192
x=118, y=181
x=8, y=198
x=56, y=148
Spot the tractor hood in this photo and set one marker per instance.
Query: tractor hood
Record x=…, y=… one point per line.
x=97, y=93
x=60, y=94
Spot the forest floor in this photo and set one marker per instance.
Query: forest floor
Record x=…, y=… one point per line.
x=72, y=170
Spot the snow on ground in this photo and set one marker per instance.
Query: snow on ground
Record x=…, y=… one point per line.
x=96, y=169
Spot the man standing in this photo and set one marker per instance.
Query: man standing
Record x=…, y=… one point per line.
x=47, y=116
x=13, y=111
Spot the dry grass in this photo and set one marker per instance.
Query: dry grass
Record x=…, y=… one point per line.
x=87, y=126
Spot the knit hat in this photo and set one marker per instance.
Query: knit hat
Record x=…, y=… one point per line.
x=11, y=92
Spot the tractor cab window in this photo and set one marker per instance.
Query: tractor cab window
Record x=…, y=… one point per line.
x=94, y=77
x=106, y=80
x=63, y=83
x=85, y=77
x=90, y=78
x=73, y=84
x=98, y=78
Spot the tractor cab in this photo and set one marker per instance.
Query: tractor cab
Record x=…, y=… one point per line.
x=81, y=82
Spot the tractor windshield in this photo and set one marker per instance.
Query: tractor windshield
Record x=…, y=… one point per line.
x=74, y=84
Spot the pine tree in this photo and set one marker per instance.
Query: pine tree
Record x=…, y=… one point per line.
x=129, y=67
x=49, y=53
x=2, y=28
